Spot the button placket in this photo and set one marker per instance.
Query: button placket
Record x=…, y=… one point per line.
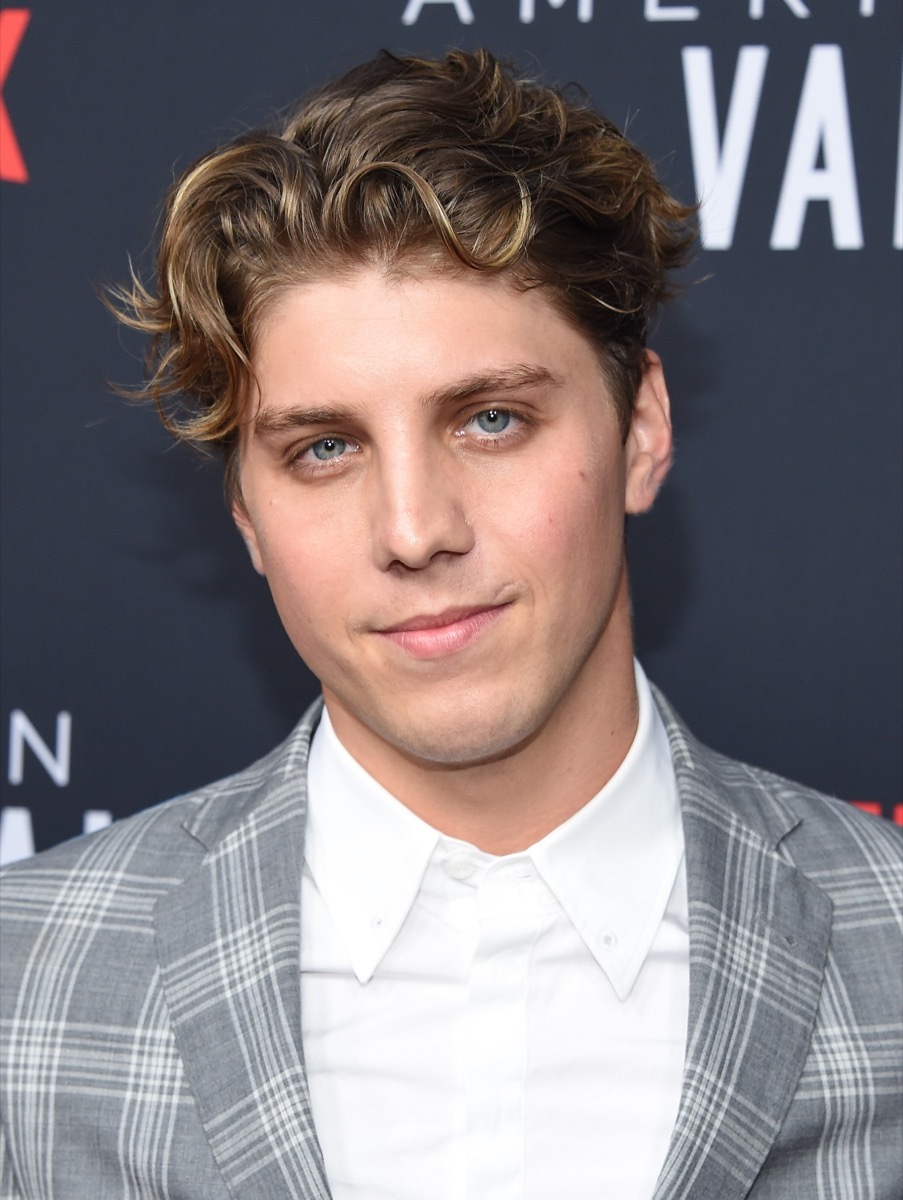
x=495, y=1043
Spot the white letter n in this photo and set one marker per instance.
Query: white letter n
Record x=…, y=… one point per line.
x=55, y=763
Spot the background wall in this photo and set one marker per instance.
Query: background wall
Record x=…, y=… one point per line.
x=140, y=653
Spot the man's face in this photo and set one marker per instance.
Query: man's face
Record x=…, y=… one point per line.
x=434, y=486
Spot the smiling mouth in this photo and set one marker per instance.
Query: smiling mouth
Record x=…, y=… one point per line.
x=433, y=635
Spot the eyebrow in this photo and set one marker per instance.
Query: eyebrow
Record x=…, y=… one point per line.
x=505, y=379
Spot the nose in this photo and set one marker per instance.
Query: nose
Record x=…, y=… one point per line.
x=418, y=512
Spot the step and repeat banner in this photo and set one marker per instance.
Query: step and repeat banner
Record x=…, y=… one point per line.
x=141, y=656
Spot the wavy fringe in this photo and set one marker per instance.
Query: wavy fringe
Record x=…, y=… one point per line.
x=403, y=157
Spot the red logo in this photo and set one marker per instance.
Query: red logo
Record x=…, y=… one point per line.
x=13, y=22
x=873, y=807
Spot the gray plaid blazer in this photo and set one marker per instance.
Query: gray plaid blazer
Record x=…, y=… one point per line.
x=151, y=1001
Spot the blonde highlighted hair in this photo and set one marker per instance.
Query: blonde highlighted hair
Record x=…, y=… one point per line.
x=455, y=163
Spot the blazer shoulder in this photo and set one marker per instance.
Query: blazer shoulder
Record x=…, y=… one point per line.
x=117, y=874
x=827, y=838
x=199, y=816
x=815, y=816
x=813, y=827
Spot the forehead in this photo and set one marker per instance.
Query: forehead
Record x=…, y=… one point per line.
x=371, y=334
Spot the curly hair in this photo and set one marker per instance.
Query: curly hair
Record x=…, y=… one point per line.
x=459, y=163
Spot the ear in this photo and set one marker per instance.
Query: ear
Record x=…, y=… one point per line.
x=249, y=535
x=648, y=447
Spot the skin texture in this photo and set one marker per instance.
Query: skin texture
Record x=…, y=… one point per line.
x=442, y=451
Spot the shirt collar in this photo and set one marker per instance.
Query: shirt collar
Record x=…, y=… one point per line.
x=612, y=866
x=366, y=851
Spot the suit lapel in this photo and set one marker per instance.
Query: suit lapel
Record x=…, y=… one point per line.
x=229, y=948
x=759, y=936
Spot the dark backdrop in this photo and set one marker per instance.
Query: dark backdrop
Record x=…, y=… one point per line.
x=140, y=653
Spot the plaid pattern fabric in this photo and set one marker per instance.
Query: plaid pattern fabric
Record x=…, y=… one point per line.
x=151, y=1003
x=793, y=1082
x=151, y=1022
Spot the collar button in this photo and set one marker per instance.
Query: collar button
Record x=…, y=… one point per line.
x=459, y=866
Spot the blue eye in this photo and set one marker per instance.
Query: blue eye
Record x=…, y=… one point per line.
x=493, y=420
x=328, y=448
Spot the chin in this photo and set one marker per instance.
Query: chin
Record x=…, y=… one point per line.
x=461, y=739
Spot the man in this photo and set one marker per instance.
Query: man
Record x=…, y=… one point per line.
x=490, y=923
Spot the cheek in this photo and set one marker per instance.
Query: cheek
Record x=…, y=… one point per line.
x=313, y=617
x=577, y=512
x=307, y=568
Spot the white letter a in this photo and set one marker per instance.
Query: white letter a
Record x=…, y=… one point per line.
x=822, y=125
x=413, y=9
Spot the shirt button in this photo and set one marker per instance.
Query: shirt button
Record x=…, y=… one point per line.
x=459, y=866
x=609, y=940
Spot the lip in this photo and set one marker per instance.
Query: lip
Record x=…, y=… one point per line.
x=433, y=635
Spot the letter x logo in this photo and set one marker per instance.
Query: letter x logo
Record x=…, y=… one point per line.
x=12, y=28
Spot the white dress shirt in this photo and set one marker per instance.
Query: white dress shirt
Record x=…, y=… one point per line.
x=494, y=1028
